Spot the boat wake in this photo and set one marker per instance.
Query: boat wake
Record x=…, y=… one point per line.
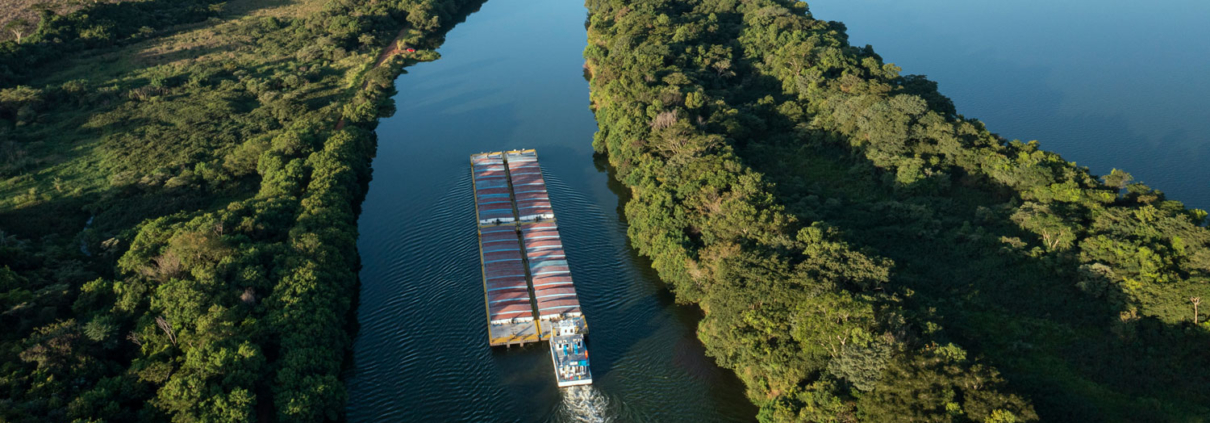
x=582, y=404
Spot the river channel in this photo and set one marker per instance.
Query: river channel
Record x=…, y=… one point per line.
x=511, y=77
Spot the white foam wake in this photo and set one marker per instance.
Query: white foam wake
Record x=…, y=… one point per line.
x=584, y=405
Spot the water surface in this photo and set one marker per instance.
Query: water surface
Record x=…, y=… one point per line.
x=1106, y=83
x=510, y=77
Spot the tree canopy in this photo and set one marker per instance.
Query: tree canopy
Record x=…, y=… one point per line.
x=218, y=153
x=863, y=252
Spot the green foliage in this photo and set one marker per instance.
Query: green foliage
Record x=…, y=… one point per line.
x=215, y=279
x=738, y=124
x=101, y=329
x=789, y=307
x=95, y=26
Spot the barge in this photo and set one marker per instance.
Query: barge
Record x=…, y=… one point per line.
x=507, y=298
x=528, y=289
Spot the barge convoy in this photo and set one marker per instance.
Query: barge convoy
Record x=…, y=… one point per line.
x=527, y=285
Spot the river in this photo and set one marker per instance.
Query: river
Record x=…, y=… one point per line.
x=511, y=77
x=1106, y=83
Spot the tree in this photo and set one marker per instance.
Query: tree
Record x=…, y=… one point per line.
x=102, y=330
x=1196, y=301
x=861, y=366
x=18, y=27
x=1117, y=179
x=1056, y=233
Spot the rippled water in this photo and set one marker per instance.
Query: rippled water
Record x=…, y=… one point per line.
x=1105, y=83
x=511, y=77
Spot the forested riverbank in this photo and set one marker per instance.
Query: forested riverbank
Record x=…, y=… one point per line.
x=178, y=214
x=178, y=206
x=863, y=252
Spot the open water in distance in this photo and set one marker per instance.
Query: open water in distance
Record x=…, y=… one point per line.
x=511, y=77
x=1105, y=83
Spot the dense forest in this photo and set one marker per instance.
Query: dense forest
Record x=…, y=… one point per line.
x=180, y=180
x=179, y=184
x=862, y=252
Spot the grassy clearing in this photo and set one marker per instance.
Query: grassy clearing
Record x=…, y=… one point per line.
x=197, y=140
x=72, y=154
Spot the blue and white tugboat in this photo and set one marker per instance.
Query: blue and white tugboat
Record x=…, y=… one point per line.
x=569, y=354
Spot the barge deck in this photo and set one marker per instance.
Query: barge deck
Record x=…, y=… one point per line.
x=527, y=284
x=507, y=296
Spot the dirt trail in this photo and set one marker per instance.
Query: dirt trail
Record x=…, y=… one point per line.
x=392, y=49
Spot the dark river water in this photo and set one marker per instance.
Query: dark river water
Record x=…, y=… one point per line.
x=511, y=77
x=1106, y=83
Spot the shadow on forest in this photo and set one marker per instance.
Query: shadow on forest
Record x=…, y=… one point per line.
x=1078, y=357
x=131, y=21
x=64, y=214
x=1022, y=100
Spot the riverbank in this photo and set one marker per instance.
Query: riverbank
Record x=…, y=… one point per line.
x=859, y=247
x=1144, y=117
x=510, y=77
x=223, y=269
